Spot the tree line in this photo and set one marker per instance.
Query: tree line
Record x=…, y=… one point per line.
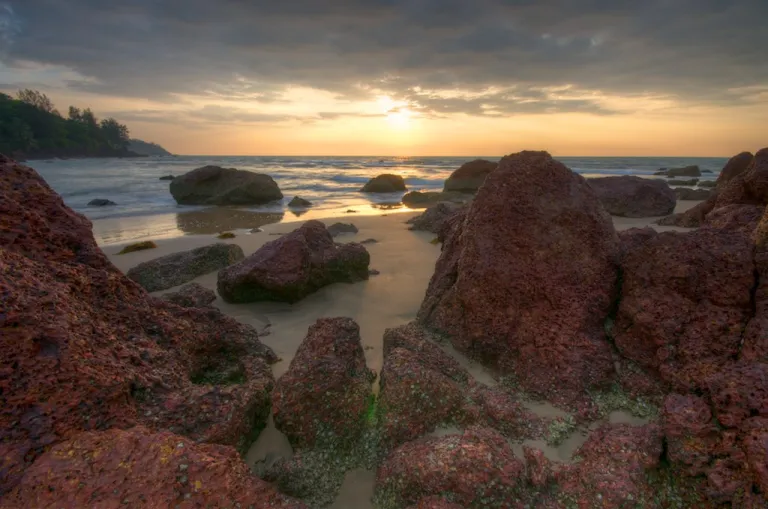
x=30, y=126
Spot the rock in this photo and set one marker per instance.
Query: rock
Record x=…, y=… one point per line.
x=179, y=268
x=474, y=469
x=681, y=182
x=167, y=177
x=755, y=445
x=632, y=238
x=423, y=199
x=538, y=468
x=435, y=503
x=226, y=235
x=707, y=184
x=192, y=295
x=327, y=377
x=138, y=246
x=370, y=241
x=685, y=300
x=735, y=166
x=740, y=392
x=308, y=476
x=386, y=183
x=742, y=218
x=88, y=349
x=337, y=229
x=755, y=345
x=100, y=202
x=690, y=432
x=214, y=185
x=661, y=171
x=686, y=193
x=435, y=217
x=634, y=196
x=138, y=468
x=515, y=292
x=298, y=202
x=294, y=266
x=373, y=272
x=686, y=171
x=470, y=176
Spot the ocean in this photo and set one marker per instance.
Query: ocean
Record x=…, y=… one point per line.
x=332, y=184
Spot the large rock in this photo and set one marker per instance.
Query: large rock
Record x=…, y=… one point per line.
x=634, y=196
x=178, y=268
x=688, y=194
x=293, y=266
x=685, y=301
x=735, y=166
x=423, y=199
x=214, y=185
x=138, y=468
x=690, y=432
x=474, y=469
x=323, y=397
x=755, y=346
x=386, y=183
x=85, y=348
x=528, y=278
x=193, y=295
x=685, y=171
x=435, y=217
x=470, y=176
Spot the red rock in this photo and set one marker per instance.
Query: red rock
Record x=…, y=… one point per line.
x=85, y=348
x=755, y=345
x=691, y=218
x=629, y=196
x=633, y=238
x=528, y=278
x=435, y=503
x=138, y=468
x=192, y=295
x=755, y=442
x=503, y=412
x=475, y=469
x=738, y=217
x=435, y=217
x=734, y=167
x=293, y=266
x=538, y=468
x=684, y=304
x=740, y=392
x=323, y=398
x=690, y=432
x=415, y=339
x=470, y=176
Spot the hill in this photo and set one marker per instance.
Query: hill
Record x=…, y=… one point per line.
x=147, y=148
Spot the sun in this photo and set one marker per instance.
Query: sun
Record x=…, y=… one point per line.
x=399, y=118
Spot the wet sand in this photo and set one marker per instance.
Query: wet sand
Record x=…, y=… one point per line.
x=406, y=262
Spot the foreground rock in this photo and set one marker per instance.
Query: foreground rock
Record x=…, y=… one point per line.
x=293, y=266
x=470, y=176
x=89, y=350
x=192, y=295
x=179, y=268
x=328, y=377
x=686, y=171
x=386, y=183
x=434, y=218
x=628, y=196
x=688, y=194
x=735, y=166
x=489, y=287
x=214, y=185
x=422, y=199
x=138, y=468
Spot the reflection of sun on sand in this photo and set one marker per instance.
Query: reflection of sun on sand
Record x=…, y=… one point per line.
x=406, y=261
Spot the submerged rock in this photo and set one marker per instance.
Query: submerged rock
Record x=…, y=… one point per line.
x=299, y=202
x=167, y=177
x=518, y=292
x=685, y=171
x=470, y=176
x=337, y=229
x=179, y=268
x=293, y=266
x=680, y=182
x=193, y=295
x=214, y=185
x=629, y=196
x=386, y=183
x=100, y=202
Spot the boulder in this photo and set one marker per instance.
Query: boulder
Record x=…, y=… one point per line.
x=685, y=300
x=474, y=469
x=192, y=295
x=735, y=166
x=708, y=184
x=101, y=202
x=470, y=176
x=526, y=281
x=327, y=378
x=634, y=196
x=138, y=468
x=89, y=350
x=682, y=182
x=435, y=217
x=179, y=268
x=214, y=185
x=386, y=183
x=294, y=266
x=337, y=229
x=423, y=199
x=688, y=194
x=743, y=218
x=167, y=177
x=299, y=202
x=685, y=171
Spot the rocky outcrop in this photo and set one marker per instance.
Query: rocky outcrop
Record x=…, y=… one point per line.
x=526, y=281
x=628, y=196
x=470, y=176
x=214, y=185
x=299, y=203
x=86, y=349
x=735, y=166
x=688, y=194
x=685, y=171
x=293, y=266
x=193, y=295
x=423, y=199
x=179, y=268
x=327, y=378
x=138, y=468
x=386, y=183
x=435, y=217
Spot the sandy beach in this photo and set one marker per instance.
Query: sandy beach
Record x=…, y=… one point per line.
x=405, y=260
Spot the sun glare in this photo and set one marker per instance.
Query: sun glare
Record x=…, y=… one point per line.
x=399, y=118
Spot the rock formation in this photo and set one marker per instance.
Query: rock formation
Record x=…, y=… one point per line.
x=686, y=171
x=469, y=177
x=192, y=295
x=214, y=185
x=386, y=183
x=685, y=193
x=435, y=217
x=629, y=196
x=299, y=202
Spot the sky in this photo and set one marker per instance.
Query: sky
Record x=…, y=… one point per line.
x=404, y=77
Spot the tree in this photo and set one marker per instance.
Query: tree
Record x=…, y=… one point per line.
x=74, y=114
x=89, y=119
x=115, y=133
x=37, y=99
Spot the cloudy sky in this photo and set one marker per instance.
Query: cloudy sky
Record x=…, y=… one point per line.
x=404, y=77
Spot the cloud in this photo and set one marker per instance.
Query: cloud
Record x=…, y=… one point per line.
x=708, y=52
